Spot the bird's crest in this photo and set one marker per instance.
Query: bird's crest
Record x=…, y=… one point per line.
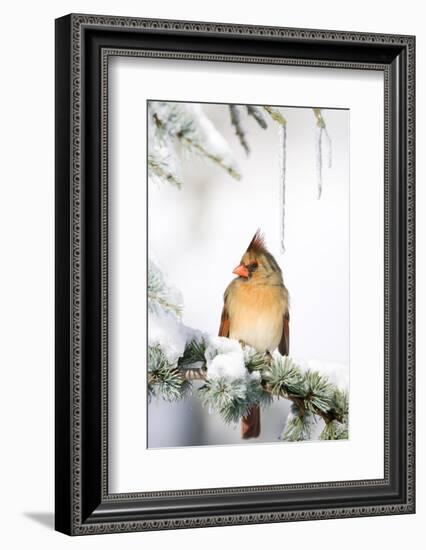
x=257, y=244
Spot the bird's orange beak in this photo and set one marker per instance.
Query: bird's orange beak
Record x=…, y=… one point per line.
x=241, y=271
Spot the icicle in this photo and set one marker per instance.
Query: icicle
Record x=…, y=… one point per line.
x=276, y=115
x=318, y=155
x=320, y=144
x=329, y=148
x=283, y=157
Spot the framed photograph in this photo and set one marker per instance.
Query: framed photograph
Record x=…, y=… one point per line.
x=234, y=274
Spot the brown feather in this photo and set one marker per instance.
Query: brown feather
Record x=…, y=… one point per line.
x=284, y=345
x=257, y=244
x=250, y=424
x=224, y=323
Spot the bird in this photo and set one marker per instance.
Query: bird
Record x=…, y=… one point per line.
x=256, y=312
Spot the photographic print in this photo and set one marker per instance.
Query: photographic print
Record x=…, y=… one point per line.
x=248, y=274
x=234, y=274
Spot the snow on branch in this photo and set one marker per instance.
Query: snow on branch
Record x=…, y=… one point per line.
x=257, y=114
x=160, y=169
x=235, y=111
x=171, y=124
x=160, y=295
x=236, y=377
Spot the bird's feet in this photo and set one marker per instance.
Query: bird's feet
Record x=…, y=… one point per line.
x=268, y=357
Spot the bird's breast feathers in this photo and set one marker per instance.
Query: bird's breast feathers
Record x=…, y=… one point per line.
x=256, y=314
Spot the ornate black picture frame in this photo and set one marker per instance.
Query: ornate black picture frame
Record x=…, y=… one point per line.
x=83, y=45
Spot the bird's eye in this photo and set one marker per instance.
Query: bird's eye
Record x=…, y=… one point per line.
x=252, y=267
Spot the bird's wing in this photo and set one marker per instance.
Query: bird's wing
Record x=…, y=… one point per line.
x=284, y=345
x=224, y=323
x=224, y=320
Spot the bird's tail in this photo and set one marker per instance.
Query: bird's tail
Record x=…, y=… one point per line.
x=250, y=424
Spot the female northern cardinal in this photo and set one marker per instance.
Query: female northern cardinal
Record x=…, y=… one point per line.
x=255, y=312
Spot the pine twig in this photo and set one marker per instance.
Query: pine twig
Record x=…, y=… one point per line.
x=256, y=113
x=299, y=399
x=182, y=126
x=231, y=171
x=159, y=293
x=319, y=118
x=276, y=115
x=236, y=122
x=160, y=170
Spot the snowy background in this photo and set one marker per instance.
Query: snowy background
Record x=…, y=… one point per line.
x=197, y=235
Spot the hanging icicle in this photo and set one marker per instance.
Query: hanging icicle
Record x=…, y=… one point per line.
x=276, y=115
x=283, y=158
x=322, y=148
x=318, y=158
